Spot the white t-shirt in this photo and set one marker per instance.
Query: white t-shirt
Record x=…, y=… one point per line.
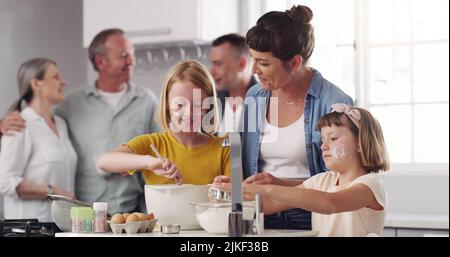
x=283, y=150
x=231, y=121
x=38, y=155
x=358, y=223
x=112, y=98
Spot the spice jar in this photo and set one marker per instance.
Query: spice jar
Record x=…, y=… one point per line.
x=100, y=216
x=81, y=219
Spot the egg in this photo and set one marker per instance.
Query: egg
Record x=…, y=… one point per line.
x=132, y=218
x=141, y=216
x=150, y=216
x=117, y=219
x=125, y=215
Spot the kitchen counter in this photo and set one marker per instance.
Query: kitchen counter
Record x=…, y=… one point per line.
x=194, y=233
x=425, y=221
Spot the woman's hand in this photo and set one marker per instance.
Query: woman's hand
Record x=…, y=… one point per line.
x=168, y=170
x=61, y=191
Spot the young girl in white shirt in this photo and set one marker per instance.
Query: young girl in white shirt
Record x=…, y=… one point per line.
x=349, y=199
x=40, y=160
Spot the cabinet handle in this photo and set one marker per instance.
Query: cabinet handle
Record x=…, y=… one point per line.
x=148, y=32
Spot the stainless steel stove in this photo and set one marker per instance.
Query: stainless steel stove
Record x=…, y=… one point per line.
x=27, y=228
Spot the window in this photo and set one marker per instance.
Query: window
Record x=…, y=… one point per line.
x=392, y=57
x=406, y=77
x=333, y=23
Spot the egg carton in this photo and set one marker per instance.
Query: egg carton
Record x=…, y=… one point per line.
x=133, y=227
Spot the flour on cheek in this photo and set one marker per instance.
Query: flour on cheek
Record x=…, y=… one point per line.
x=339, y=152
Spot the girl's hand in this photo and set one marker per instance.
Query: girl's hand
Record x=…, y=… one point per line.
x=172, y=172
x=249, y=191
x=168, y=170
x=160, y=170
x=222, y=186
x=221, y=179
x=263, y=178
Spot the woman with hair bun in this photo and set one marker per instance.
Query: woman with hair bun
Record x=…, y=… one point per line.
x=280, y=142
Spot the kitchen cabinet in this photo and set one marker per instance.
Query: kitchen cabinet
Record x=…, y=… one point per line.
x=415, y=225
x=413, y=232
x=154, y=21
x=407, y=232
x=389, y=232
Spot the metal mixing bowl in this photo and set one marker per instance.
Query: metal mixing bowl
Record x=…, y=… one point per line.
x=61, y=210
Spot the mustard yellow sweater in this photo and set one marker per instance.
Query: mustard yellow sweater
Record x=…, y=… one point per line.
x=198, y=166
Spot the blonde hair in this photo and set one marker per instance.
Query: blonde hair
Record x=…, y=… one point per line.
x=373, y=153
x=187, y=71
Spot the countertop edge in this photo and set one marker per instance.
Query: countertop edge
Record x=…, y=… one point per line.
x=418, y=221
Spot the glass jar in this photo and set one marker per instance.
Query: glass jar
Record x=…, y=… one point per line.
x=100, y=209
x=81, y=219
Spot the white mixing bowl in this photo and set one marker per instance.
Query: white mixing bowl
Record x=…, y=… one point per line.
x=213, y=217
x=171, y=203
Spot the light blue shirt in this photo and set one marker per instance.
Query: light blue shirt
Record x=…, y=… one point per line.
x=96, y=127
x=318, y=100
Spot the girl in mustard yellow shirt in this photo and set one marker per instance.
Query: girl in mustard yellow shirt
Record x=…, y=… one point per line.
x=189, y=116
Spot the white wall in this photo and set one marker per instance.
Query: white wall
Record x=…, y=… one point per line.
x=40, y=28
x=35, y=28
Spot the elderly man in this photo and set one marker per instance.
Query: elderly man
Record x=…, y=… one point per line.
x=101, y=117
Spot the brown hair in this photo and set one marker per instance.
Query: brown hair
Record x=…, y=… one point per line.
x=373, y=153
x=236, y=41
x=29, y=70
x=284, y=34
x=97, y=45
x=194, y=72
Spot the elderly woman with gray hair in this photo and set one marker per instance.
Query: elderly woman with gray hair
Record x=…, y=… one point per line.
x=40, y=159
